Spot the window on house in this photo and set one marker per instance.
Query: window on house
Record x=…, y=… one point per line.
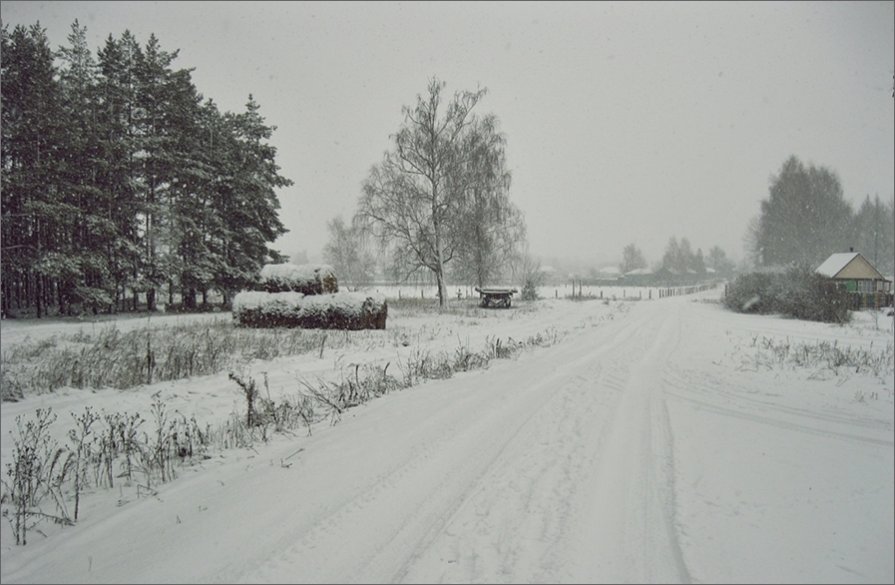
x=865, y=286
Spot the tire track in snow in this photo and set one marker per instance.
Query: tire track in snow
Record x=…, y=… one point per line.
x=627, y=527
x=487, y=538
x=503, y=476
x=711, y=396
x=505, y=523
x=603, y=419
x=432, y=481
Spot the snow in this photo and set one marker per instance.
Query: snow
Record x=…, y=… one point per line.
x=295, y=273
x=289, y=302
x=271, y=302
x=638, y=272
x=835, y=263
x=345, y=303
x=655, y=441
x=353, y=310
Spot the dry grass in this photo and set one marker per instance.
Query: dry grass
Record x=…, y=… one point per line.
x=112, y=359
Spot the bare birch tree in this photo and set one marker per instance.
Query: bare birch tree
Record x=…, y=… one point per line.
x=491, y=228
x=348, y=253
x=632, y=259
x=414, y=198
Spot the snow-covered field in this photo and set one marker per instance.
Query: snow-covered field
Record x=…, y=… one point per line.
x=662, y=441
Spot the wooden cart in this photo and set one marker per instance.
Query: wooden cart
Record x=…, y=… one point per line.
x=496, y=297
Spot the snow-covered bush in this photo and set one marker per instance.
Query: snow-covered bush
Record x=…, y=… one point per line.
x=344, y=310
x=804, y=294
x=261, y=309
x=309, y=279
x=751, y=293
x=799, y=293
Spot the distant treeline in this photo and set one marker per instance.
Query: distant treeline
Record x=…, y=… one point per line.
x=119, y=179
x=806, y=217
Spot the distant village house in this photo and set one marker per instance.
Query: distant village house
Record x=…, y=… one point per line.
x=851, y=271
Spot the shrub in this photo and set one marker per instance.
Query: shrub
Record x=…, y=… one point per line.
x=812, y=297
x=799, y=293
x=750, y=293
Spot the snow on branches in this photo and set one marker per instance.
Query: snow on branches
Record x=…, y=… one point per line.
x=309, y=279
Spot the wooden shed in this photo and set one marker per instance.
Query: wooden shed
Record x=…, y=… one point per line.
x=851, y=271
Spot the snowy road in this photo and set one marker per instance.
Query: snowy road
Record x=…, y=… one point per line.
x=549, y=469
x=617, y=455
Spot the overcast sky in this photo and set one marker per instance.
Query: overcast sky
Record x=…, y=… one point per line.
x=626, y=122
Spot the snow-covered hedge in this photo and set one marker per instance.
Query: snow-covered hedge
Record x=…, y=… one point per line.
x=309, y=279
x=799, y=292
x=257, y=308
x=344, y=310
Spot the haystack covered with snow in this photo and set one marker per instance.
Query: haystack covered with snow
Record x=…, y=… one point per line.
x=309, y=279
x=343, y=310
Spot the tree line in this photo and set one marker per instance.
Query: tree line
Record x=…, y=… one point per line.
x=804, y=220
x=806, y=217
x=119, y=179
x=679, y=258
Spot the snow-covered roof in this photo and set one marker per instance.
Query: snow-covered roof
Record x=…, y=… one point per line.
x=638, y=271
x=835, y=263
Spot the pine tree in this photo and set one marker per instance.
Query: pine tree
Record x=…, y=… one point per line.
x=118, y=148
x=191, y=260
x=698, y=264
x=805, y=218
x=246, y=200
x=873, y=233
x=91, y=230
x=118, y=179
x=32, y=147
